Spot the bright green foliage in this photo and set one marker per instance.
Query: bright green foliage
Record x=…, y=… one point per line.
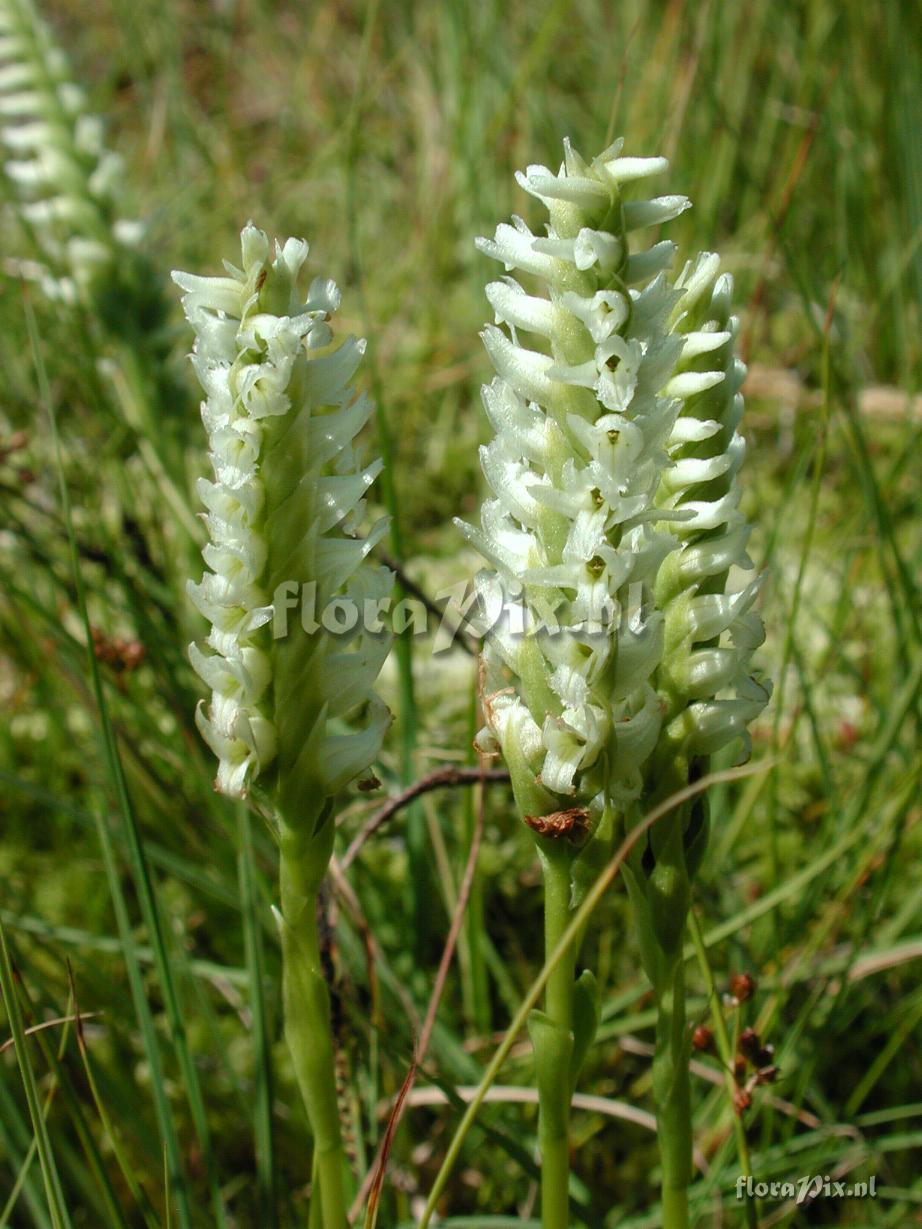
x=387, y=133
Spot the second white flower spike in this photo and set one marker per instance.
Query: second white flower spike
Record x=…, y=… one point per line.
x=583, y=414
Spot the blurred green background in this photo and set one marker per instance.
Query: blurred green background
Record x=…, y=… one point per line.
x=387, y=134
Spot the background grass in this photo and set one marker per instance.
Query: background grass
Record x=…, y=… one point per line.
x=387, y=133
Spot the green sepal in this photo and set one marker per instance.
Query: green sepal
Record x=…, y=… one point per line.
x=697, y=834
x=666, y=884
x=670, y=898
x=531, y=797
x=587, y=1010
x=669, y=893
x=636, y=882
x=553, y=1047
x=539, y=697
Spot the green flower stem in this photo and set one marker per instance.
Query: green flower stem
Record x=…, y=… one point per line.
x=314, y=1213
x=672, y=1090
x=307, y=1018
x=552, y=1036
x=661, y=897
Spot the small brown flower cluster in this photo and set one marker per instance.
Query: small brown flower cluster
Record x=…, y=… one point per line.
x=122, y=655
x=754, y=1063
x=742, y=987
x=703, y=1040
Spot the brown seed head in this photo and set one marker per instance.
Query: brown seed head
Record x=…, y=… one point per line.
x=742, y=986
x=703, y=1040
x=749, y=1044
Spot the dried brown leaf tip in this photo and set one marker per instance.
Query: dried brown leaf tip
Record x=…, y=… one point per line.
x=572, y=824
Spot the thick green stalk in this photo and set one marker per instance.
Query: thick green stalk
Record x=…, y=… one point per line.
x=672, y=1091
x=263, y=1093
x=661, y=897
x=552, y=1035
x=307, y=1021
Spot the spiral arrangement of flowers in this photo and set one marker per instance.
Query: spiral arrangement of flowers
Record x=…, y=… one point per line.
x=282, y=511
x=709, y=634
x=593, y=483
x=619, y=660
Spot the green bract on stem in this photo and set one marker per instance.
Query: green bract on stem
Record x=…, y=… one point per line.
x=282, y=512
x=615, y=660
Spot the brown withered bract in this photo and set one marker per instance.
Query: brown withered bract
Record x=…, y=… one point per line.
x=572, y=824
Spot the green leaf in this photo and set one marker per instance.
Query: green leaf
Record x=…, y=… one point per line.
x=587, y=1009
x=553, y=1056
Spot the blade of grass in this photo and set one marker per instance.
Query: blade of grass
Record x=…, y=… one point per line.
x=142, y=1008
x=727, y=1054
x=60, y=1217
x=19, y=1152
x=95, y=1164
x=125, y=1168
x=791, y=621
x=417, y=844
